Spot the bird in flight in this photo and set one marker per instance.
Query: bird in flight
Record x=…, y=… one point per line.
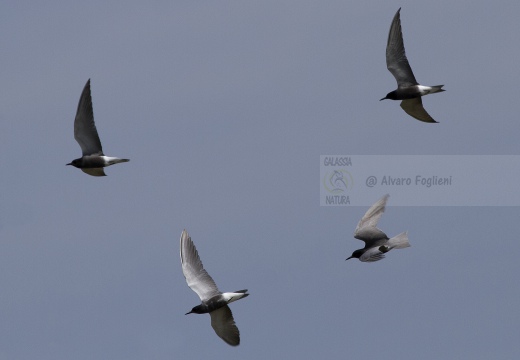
x=408, y=89
x=93, y=160
x=213, y=301
x=376, y=241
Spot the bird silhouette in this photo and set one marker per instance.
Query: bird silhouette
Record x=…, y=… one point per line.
x=93, y=160
x=213, y=301
x=376, y=241
x=408, y=89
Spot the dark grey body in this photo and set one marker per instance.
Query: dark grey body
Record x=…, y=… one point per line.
x=94, y=161
x=216, y=302
x=411, y=92
x=373, y=238
x=377, y=244
x=94, y=164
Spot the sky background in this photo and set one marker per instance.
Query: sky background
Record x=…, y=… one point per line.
x=224, y=108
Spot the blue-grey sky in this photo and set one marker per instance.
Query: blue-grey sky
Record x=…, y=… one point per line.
x=224, y=109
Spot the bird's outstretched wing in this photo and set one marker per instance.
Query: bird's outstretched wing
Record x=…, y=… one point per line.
x=396, y=60
x=85, y=131
x=415, y=109
x=224, y=325
x=94, y=171
x=196, y=277
x=366, y=229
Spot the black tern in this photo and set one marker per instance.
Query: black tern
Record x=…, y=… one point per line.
x=376, y=241
x=93, y=160
x=408, y=89
x=213, y=301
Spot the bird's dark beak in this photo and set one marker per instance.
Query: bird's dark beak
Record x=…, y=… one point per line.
x=68, y=164
x=350, y=257
x=188, y=313
x=382, y=99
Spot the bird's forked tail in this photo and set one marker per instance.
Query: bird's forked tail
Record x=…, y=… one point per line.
x=436, y=88
x=114, y=160
x=399, y=241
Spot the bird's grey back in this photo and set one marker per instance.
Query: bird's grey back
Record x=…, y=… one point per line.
x=396, y=60
x=85, y=131
x=196, y=277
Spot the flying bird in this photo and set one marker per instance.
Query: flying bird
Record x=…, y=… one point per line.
x=376, y=241
x=213, y=301
x=408, y=89
x=93, y=160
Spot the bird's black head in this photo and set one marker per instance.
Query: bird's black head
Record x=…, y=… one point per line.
x=75, y=162
x=391, y=96
x=196, y=310
x=356, y=254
